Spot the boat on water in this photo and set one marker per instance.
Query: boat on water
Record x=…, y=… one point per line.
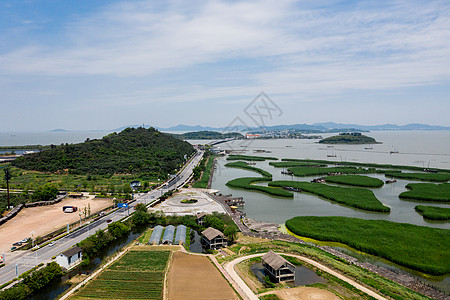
x=287, y=172
x=368, y=148
x=319, y=180
x=292, y=189
x=391, y=181
x=288, y=146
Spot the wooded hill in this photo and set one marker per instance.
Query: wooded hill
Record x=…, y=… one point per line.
x=134, y=150
x=349, y=139
x=207, y=135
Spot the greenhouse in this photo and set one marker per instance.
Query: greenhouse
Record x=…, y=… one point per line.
x=156, y=235
x=168, y=235
x=180, y=235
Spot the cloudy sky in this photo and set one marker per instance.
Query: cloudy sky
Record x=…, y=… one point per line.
x=95, y=64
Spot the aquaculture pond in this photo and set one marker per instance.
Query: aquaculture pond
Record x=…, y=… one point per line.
x=303, y=275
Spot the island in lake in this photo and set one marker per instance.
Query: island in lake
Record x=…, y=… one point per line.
x=349, y=138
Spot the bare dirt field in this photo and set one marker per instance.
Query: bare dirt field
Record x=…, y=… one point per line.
x=45, y=219
x=305, y=293
x=195, y=277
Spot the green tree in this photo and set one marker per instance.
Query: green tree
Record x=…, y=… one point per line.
x=140, y=218
x=118, y=229
x=231, y=233
x=45, y=193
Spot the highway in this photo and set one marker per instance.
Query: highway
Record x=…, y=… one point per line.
x=26, y=260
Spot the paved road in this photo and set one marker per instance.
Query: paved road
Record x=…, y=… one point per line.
x=229, y=268
x=25, y=260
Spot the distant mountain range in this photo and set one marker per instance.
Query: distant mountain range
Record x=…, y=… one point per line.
x=316, y=127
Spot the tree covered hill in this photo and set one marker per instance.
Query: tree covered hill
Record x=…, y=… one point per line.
x=134, y=150
x=349, y=138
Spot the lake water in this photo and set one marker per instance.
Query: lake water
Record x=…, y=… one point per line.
x=416, y=148
x=47, y=138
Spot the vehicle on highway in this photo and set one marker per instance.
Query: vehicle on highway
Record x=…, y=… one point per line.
x=52, y=244
x=13, y=248
x=17, y=244
x=108, y=221
x=24, y=241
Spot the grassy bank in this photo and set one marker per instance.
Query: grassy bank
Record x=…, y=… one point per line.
x=245, y=183
x=433, y=212
x=203, y=182
x=427, y=192
x=287, y=164
x=249, y=157
x=420, y=248
x=353, y=197
x=243, y=165
x=308, y=171
x=436, y=177
x=378, y=283
x=356, y=180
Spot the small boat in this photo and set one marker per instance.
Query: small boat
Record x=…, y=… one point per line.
x=287, y=172
x=318, y=180
x=288, y=146
x=292, y=189
x=368, y=148
x=391, y=181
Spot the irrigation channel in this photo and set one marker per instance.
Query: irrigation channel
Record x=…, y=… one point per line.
x=272, y=209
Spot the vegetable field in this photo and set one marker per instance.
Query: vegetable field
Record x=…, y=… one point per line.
x=137, y=275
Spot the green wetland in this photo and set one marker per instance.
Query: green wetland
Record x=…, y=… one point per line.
x=260, y=206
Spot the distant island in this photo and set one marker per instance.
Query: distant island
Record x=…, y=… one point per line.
x=349, y=138
x=207, y=135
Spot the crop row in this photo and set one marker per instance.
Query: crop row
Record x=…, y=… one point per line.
x=132, y=276
x=142, y=261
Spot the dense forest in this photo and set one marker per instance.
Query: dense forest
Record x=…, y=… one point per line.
x=134, y=151
x=207, y=135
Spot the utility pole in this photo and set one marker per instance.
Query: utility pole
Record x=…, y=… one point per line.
x=7, y=178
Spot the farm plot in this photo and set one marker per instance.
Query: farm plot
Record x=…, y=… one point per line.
x=137, y=275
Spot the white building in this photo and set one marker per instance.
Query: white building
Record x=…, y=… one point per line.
x=70, y=257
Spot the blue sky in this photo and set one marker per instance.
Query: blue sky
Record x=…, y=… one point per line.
x=82, y=65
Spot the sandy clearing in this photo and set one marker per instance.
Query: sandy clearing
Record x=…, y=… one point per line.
x=195, y=277
x=304, y=293
x=44, y=219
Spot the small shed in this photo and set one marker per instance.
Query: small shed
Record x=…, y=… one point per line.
x=180, y=235
x=156, y=235
x=278, y=268
x=200, y=217
x=70, y=257
x=213, y=238
x=168, y=235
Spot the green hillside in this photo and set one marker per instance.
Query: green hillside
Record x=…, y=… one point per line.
x=132, y=151
x=345, y=138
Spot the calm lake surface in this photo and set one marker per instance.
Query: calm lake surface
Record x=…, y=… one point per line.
x=416, y=148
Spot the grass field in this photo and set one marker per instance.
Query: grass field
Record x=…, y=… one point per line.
x=434, y=212
x=437, y=177
x=137, y=275
x=354, y=197
x=356, y=180
x=249, y=157
x=417, y=247
x=203, y=182
x=427, y=192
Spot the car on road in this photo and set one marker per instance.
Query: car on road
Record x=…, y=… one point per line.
x=24, y=240
x=108, y=221
x=52, y=244
x=17, y=244
x=13, y=248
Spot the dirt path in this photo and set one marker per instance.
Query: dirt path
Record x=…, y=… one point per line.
x=195, y=277
x=44, y=219
x=303, y=293
x=230, y=269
